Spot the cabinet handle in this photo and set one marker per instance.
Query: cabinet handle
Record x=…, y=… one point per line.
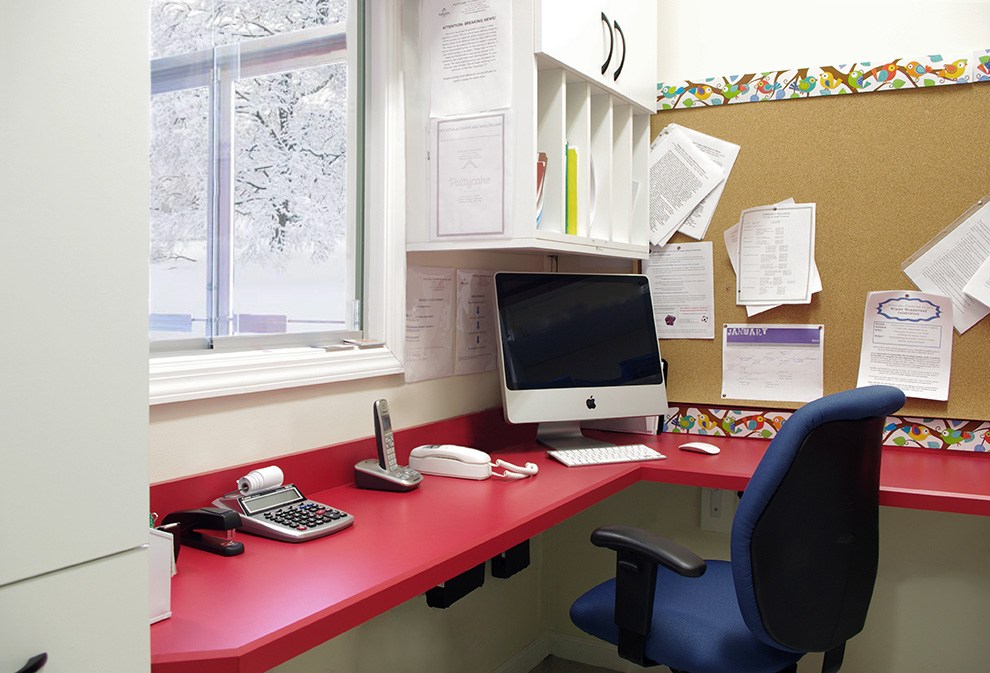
x=611, y=43
x=35, y=663
x=622, y=62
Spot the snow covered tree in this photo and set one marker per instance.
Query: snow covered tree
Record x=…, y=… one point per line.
x=289, y=135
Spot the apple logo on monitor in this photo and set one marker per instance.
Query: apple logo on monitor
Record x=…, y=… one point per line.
x=591, y=402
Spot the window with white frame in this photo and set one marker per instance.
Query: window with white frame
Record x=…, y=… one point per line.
x=257, y=151
x=253, y=218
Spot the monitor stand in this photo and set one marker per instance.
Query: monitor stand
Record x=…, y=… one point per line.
x=566, y=435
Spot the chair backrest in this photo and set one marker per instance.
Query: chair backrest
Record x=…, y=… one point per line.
x=805, y=539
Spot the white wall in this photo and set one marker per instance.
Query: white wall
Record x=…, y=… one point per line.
x=714, y=38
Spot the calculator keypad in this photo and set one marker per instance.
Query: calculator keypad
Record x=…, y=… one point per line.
x=304, y=515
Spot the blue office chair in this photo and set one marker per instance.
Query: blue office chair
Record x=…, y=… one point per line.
x=804, y=551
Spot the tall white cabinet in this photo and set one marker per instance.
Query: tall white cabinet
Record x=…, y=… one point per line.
x=74, y=391
x=583, y=77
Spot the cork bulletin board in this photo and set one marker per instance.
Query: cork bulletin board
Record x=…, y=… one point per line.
x=888, y=172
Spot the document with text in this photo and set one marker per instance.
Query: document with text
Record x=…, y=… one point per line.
x=682, y=284
x=470, y=177
x=722, y=153
x=731, y=239
x=681, y=175
x=776, y=255
x=470, y=55
x=474, y=343
x=780, y=363
x=949, y=261
x=429, y=323
x=978, y=286
x=907, y=342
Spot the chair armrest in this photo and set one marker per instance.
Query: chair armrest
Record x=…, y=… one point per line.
x=638, y=553
x=654, y=548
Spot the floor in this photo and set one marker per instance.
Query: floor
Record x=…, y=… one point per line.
x=554, y=664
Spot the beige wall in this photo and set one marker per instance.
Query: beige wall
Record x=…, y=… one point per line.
x=928, y=610
x=480, y=633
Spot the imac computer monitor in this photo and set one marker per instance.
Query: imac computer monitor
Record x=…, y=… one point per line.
x=575, y=348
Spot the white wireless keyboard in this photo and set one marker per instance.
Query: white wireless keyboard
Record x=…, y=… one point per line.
x=603, y=455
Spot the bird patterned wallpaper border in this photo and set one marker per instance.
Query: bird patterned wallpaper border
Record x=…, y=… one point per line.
x=828, y=80
x=926, y=433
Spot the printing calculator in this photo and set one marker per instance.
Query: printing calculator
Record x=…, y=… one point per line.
x=284, y=513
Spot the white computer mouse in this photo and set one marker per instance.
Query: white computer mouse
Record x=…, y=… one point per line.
x=701, y=447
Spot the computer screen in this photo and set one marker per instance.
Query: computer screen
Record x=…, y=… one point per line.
x=575, y=348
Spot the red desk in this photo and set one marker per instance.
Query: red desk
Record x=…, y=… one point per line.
x=277, y=600
x=940, y=481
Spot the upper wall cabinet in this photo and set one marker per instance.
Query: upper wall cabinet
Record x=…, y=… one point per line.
x=559, y=163
x=611, y=44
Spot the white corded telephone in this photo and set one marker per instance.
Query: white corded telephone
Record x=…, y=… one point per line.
x=450, y=460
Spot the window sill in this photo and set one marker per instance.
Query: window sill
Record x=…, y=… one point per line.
x=192, y=377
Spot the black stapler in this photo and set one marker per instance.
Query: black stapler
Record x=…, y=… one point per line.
x=191, y=521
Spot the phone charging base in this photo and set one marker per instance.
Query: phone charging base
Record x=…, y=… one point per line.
x=371, y=475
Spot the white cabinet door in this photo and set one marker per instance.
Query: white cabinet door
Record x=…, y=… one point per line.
x=91, y=618
x=78, y=479
x=618, y=36
x=74, y=364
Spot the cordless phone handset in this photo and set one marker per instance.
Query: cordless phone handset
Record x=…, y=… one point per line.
x=383, y=436
x=385, y=474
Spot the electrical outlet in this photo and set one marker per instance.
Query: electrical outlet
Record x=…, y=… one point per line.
x=717, y=510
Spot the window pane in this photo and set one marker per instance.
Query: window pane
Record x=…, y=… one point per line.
x=178, y=27
x=245, y=19
x=179, y=205
x=182, y=26
x=252, y=230
x=291, y=271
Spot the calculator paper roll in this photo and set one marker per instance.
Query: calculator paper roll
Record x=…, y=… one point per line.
x=259, y=480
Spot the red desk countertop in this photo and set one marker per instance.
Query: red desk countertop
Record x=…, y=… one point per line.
x=941, y=481
x=254, y=611
x=251, y=612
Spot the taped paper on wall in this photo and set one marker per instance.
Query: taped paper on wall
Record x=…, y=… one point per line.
x=429, y=323
x=474, y=343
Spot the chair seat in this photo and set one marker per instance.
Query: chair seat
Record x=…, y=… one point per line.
x=697, y=625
